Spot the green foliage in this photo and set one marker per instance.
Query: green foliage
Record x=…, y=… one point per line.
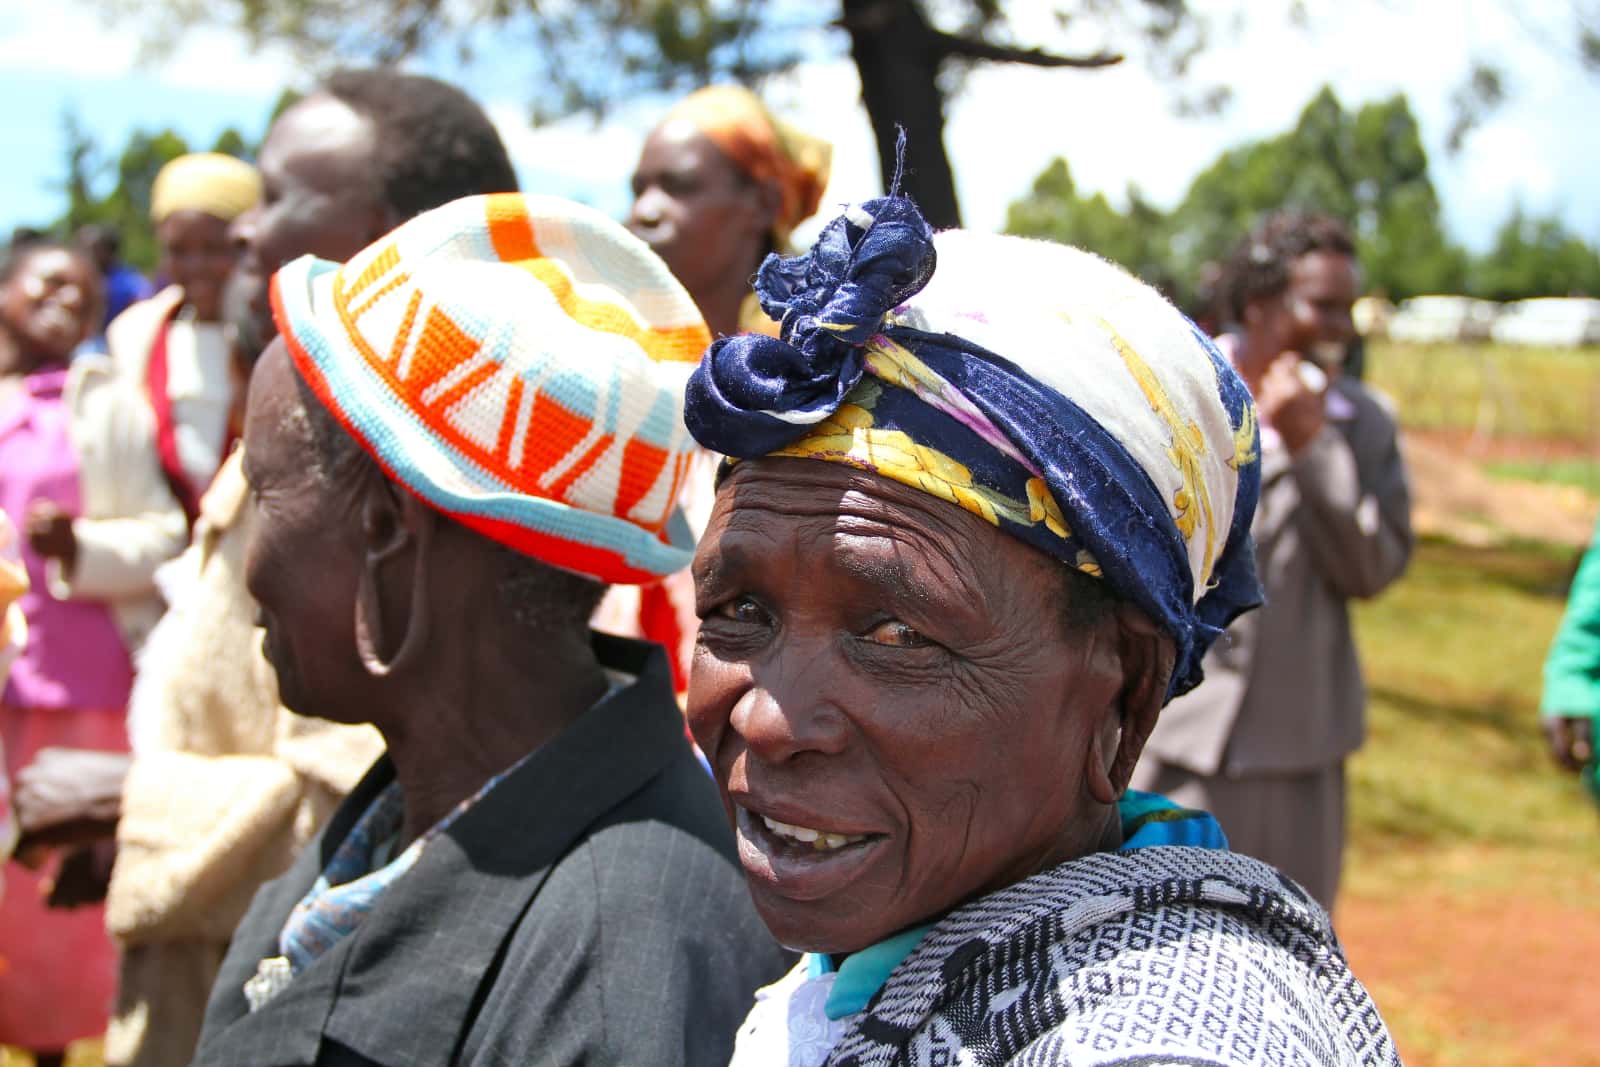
x=1536, y=257
x=126, y=206
x=1056, y=212
x=588, y=55
x=1367, y=167
x=1473, y=101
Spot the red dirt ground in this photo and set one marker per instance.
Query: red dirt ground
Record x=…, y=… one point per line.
x=1492, y=980
x=1453, y=497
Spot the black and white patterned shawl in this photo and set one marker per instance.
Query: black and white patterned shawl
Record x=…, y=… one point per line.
x=1167, y=955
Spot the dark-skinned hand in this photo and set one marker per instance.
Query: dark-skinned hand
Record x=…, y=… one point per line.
x=84, y=876
x=1288, y=404
x=69, y=796
x=49, y=533
x=1571, y=740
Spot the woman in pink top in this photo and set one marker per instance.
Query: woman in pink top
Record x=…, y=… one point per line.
x=13, y=583
x=74, y=448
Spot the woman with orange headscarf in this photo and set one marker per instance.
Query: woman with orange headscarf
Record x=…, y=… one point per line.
x=720, y=183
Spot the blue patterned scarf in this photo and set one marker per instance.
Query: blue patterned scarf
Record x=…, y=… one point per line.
x=1110, y=434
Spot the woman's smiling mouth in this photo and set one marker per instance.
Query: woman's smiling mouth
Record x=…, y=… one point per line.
x=820, y=840
x=800, y=862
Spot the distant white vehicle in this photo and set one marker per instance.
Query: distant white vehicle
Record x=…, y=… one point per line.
x=1553, y=321
x=1372, y=315
x=1443, y=319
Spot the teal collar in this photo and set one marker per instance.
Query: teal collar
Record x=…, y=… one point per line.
x=863, y=973
x=1147, y=820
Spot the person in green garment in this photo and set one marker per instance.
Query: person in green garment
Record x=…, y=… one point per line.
x=1571, y=699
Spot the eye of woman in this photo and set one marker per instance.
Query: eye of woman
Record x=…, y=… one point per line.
x=741, y=609
x=897, y=634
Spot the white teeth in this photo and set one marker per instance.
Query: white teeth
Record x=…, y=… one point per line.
x=783, y=829
x=817, y=839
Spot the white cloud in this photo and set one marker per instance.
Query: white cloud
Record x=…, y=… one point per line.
x=575, y=158
x=213, y=60
x=73, y=40
x=1114, y=127
x=824, y=99
x=1117, y=126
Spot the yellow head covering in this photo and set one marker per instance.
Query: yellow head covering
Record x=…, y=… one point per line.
x=764, y=147
x=205, y=181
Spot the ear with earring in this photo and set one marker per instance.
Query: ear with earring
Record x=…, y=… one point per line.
x=389, y=526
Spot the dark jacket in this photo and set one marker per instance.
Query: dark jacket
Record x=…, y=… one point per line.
x=588, y=910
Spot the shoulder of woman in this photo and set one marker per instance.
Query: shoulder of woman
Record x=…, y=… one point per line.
x=131, y=334
x=98, y=393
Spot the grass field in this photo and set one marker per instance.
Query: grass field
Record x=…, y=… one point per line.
x=1453, y=658
x=1546, y=396
x=1471, y=901
x=1580, y=473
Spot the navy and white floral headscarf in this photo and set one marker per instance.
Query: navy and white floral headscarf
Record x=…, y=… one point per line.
x=1035, y=385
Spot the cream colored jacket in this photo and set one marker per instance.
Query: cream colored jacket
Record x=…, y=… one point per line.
x=199, y=376
x=130, y=523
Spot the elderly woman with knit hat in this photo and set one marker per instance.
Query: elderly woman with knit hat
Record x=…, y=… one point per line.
x=721, y=182
x=173, y=343
x=461, y=436
x=987, y=503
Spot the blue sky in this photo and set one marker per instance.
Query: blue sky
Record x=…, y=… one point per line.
x=30, y=187
x=1114, y=127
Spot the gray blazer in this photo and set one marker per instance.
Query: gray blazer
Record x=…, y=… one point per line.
x=1283, y=690
x=588, y=910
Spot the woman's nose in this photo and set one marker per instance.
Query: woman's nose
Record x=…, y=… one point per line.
x=242, y=231
x=647, y=209
x=779, y=721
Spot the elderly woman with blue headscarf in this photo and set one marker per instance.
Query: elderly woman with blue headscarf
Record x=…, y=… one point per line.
x=986, y=505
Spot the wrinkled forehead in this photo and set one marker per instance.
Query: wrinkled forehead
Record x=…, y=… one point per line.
x=808, y=488
x=774, y=506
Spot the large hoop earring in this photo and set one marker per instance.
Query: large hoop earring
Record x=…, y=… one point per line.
x=369, y=615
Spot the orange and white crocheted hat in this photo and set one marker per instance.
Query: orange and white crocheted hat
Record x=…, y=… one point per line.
x=518, y=363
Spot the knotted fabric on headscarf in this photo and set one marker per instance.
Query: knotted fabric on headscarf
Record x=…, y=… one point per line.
x=764, y=147
x=518, y=362
x=211, y=182
x=1036, y=386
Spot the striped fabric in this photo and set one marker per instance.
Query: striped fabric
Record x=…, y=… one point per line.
x=518, y=362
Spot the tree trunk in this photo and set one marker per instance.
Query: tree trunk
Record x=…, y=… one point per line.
x=898, y=55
